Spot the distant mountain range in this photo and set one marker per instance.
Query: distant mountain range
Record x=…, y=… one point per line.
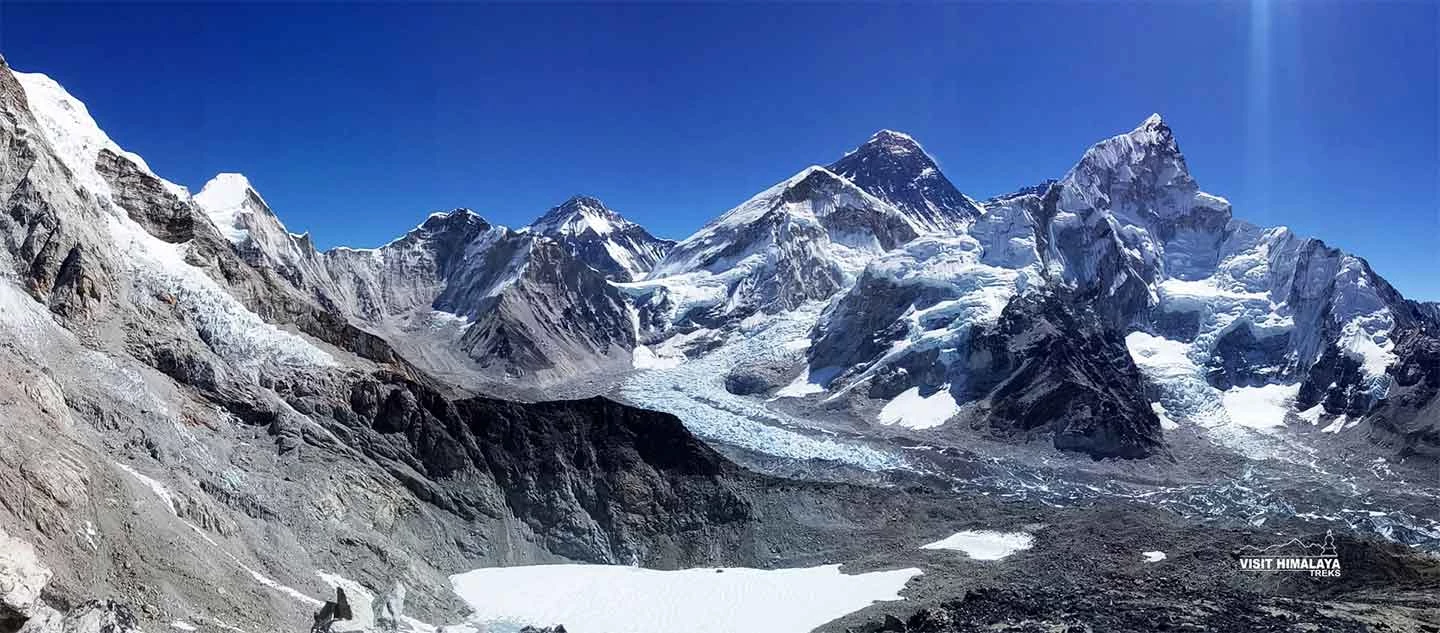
x=1158, y=300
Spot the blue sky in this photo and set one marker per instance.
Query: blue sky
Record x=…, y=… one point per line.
x=355, y=122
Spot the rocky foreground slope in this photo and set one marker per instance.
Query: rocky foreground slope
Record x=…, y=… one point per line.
x=205, y=420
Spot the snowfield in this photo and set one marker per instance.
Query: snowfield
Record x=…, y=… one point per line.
x=984, y=544
x=615, y=599
x=1260, y=408
x=914, y=411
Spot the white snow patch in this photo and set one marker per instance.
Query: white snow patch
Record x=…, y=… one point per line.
x=645, y=358
x=182, y=625
x=1159, y=356
x=914, y=411
x=808, y=382
x=615, y=599
x=984, y=544
x=271, y=583
x=1153, y=557
x=1341, y=423
x=1312, y=415
x=1166, y=424
x=1261, y=408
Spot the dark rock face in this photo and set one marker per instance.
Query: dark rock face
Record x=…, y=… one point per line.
x=1178, y=325
x=145, y=199
x=640, y=477
x=557, y=312
x=1123, y=611
x=1242, y=359
x=592, y=479
x=892, y=167
x=1047, y=367
x=1409, y=417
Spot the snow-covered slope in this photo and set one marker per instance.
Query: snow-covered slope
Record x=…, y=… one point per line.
x=598, y=236
x=803, y=239
x=76, y=138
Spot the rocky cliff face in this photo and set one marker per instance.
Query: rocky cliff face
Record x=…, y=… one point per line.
x=1047, y=367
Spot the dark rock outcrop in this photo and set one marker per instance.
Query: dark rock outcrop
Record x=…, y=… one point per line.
x=1046, y=367
x=594, y=480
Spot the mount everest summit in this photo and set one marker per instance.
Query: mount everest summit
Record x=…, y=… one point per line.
x=845, y=365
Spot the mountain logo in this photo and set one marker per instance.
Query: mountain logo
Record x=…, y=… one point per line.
x=1320, y=559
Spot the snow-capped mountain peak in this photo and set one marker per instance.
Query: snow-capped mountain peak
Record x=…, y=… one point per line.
x=893, y=167
x=453, y=217
x=892, y=142
x=224, y=198
x=802, y=239
x=578, y=215
x=601, y=238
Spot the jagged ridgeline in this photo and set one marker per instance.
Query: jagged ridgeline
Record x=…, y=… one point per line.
x=207, y=422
